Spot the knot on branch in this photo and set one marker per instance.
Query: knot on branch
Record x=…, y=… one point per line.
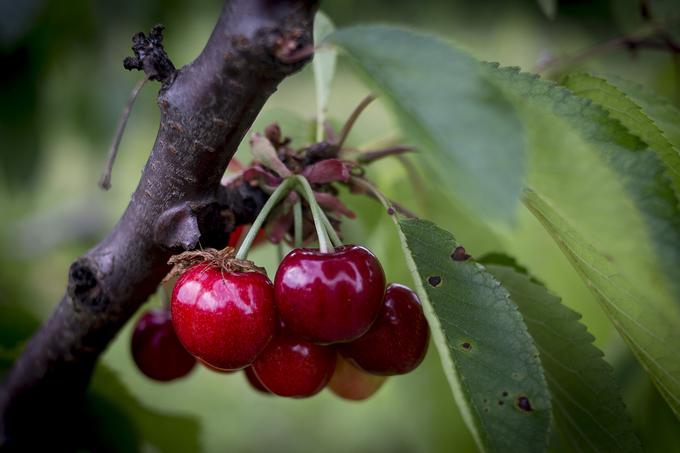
x=83, y=285
x=273, y=51
x=150, y=56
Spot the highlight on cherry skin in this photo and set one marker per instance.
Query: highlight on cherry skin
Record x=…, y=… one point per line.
x=223, y=318
x=331, y=297
x=398, y=340
x=156, y=350
x=294, y=367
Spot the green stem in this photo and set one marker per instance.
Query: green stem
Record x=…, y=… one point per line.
x=373, y=191
x=274, y=198
x=297, y=222
x=325, y=245
x=335, y=239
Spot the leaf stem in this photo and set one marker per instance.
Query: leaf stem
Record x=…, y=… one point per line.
x=390, y=205
x=281, y=191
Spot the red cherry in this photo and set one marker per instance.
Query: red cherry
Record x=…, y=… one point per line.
x=254, y=381
x=397, y=342
x=351, y=383
x=329, y=297
x=223, y=318
x=294, y=367
x=236, y=235
x=156, y=349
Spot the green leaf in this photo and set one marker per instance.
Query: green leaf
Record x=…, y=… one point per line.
x=586, y=400
x=660, y=110
x=470, y=133
x=627, y=109
x=603, y=180
x=648, y=326
x=487, y=353
x=605, y=199
x=324, y=69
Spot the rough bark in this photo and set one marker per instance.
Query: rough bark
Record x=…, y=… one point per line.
x=206, y=108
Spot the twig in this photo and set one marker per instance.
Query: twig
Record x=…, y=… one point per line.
x=105, y=181
x=643, y=39
x=352, y=119
x=366, y=157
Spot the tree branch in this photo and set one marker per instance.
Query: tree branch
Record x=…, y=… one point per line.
x=206, y=108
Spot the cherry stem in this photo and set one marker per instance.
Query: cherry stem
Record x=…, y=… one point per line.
x=325, y=245
x=281, y=191
x=335, y=239
x=297, y=221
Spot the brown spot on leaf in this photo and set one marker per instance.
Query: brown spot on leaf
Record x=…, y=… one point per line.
x=505, y=394
x=524, y=404
x=500, y=402
x=467, y=346
x=435, y=280
x=459, y=254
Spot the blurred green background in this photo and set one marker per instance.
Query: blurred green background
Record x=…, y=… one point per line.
x=62, y=89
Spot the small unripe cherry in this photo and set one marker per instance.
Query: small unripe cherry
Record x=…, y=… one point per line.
x=223, y=318
x=156, y=350
x=397, y=342
x=294, y=367
x=351, y=383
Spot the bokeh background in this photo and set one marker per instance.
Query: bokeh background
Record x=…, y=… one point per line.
x=62, y=88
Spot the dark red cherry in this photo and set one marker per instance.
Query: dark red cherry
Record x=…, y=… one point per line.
x=156, y=349
x=294, y=367
x=254, y=381
x=329, y=297
x=351, y=383
x=223, y=318
x=397, y=342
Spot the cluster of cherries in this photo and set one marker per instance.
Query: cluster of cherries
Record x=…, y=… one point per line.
x=328, y=317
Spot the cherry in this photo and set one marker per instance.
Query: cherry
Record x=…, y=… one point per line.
x=156, y=349
x=223, y=318
x=294, y=367
x=235, y=236
x=397, y=342
x=351, y=383
x=329, y=297
x=254, y=381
